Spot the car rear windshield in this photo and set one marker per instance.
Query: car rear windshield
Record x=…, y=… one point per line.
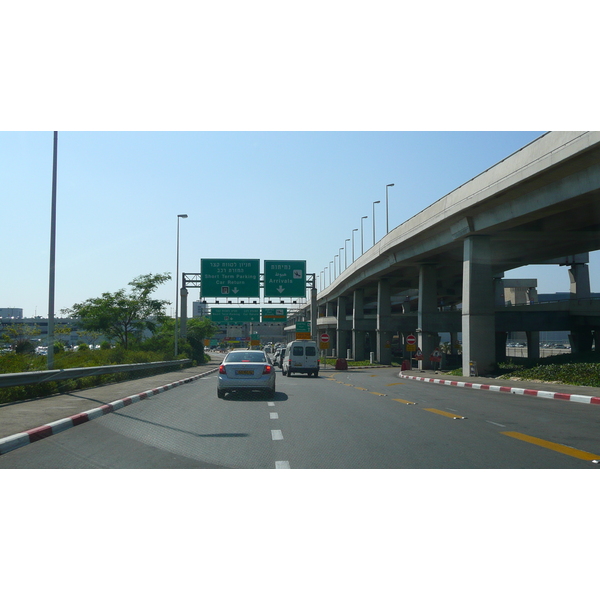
x=298, y=350
x=246, y=357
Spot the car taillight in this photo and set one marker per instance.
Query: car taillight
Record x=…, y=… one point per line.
x=267, y=369
x=222, y=370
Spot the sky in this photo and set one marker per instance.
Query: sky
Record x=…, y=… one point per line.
x=265, y=195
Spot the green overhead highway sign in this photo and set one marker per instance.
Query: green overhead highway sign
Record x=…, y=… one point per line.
x=225, y=277
x=274, y=315
x=285, y=278
x=235, y=315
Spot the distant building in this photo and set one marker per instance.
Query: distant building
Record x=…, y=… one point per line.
x=200, y=309
x=11, y=313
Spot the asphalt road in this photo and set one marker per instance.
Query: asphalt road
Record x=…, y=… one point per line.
x=364, y=419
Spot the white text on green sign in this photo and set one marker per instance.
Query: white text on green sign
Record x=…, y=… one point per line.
x=285, y=278
x=222, y=277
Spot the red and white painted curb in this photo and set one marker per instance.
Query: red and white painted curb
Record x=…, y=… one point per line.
x=510, y=390
x=12, y=442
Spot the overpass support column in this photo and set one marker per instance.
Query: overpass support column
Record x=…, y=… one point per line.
x=579, y=274
x=427, y=340
x=341, y=332
x=384, y=312
x=478, y=319
x=533, y=344
x=358, y=333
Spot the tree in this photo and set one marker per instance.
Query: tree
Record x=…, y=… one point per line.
x=19, y=337
x=123, y=316
x=199, y=330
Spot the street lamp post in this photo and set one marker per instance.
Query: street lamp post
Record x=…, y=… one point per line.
x=327, y=269
x=322, y=280
x=346, y=254
x=374, y=203
x=177, y=287
x=362, y=245
x=340, y=261
x=334, y=272
x=353, y=243
x=331, y=262
x=387, y=225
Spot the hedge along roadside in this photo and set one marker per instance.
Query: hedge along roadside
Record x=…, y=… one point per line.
x=33, y=384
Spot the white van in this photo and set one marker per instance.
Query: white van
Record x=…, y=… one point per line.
x=301, y=356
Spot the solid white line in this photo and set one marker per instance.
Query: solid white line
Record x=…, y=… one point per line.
x=274, y=415
x=276, y=434
x=282, y=464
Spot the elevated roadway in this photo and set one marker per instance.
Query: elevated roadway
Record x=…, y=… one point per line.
x=442, y=269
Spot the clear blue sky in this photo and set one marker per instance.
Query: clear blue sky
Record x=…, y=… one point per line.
x=265, y=195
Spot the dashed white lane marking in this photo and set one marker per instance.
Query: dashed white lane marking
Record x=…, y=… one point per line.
x=276, y=434
x=270, y=403
x=274, y=415
x=499, y=424
x=282, y=464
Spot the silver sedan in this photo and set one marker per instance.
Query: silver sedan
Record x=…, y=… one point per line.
x=246, y=370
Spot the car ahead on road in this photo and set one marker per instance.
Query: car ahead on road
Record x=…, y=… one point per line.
x=279, y=356
x=246, y=371
x=301, y=356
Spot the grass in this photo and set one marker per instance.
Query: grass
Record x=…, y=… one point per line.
x=571, y=369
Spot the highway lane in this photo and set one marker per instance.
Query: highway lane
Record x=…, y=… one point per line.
x=343, y=419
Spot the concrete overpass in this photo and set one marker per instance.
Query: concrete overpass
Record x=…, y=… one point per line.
x=442, y=270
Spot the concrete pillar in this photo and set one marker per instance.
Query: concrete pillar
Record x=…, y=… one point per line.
x=358, y=335
x=427, y=339
x=533, y=344
x=183, y=323
x=341, y=332
x=478, y=319
x=581, y=339
x=579, y=275
x=383, y=352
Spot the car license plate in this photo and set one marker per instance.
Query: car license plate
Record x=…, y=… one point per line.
x=244, y=372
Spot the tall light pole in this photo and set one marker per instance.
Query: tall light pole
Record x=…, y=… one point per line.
x=334, y=273
x=331, y=262
x=353, y=243
x=50, y=355
x=322, y=279
x=346, y=254
x=177, y=286
x=340, y=261
x=387, y=225
x=374, y=203
x=326, y=269
x=362, y=244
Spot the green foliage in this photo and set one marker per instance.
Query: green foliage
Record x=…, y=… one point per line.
x=18, y=363
x=124, y=316
x=19, y=337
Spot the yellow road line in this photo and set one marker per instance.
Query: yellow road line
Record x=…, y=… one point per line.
x=552, y=446
x=363, y=389
x=400, y=383
x=376, y=393
x=444, y=414
x=404, y=401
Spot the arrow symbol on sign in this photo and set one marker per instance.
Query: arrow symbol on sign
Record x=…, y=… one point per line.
x=280, y=289
x=235, y=290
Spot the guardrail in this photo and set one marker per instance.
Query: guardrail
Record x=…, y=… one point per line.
x=31, y=377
